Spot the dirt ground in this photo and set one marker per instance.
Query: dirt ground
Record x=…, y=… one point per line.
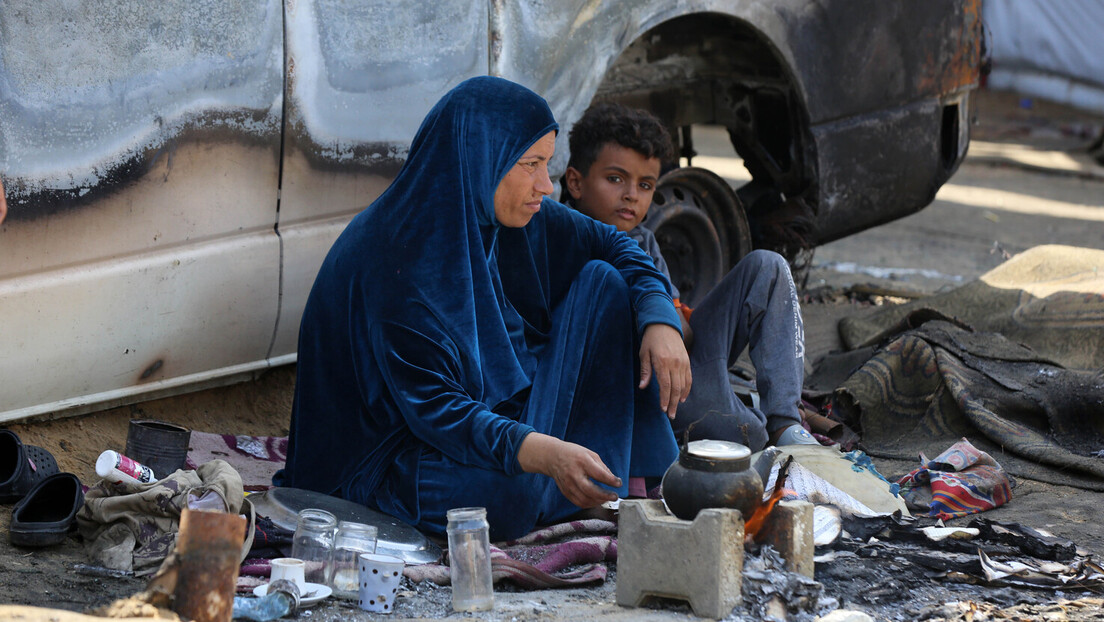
x=951, y=242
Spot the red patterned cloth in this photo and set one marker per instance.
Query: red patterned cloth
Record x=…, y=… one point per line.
x=960, y=481
x=564, y=555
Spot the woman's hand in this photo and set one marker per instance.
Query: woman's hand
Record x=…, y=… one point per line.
x=571, y=466
x=662, y=348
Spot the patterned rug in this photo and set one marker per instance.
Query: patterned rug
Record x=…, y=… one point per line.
x=255, y=458
x=564, y=555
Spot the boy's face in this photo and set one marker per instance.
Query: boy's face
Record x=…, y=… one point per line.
x=618, y=188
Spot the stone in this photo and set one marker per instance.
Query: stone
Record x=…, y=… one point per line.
x=789, y=529
x=699, y=561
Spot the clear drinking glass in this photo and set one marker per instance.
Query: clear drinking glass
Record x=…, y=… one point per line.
x=352, y=540
x=314, y=543
x=469, y=550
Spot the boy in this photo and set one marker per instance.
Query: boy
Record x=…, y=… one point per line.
x=616, y=154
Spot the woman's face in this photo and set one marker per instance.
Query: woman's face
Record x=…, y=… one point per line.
x=519, y=193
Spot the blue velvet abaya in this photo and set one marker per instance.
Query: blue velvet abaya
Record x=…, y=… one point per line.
x=434, y=340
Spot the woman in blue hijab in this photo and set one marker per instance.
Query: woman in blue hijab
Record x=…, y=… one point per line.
x=470, y=342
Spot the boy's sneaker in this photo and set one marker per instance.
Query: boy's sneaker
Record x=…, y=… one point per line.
x=795, y=435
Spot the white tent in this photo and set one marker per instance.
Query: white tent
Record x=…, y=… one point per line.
x=1049, y=49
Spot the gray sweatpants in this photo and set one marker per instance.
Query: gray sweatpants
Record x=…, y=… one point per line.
x=754, y=305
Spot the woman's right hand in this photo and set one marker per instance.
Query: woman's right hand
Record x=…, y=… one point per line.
x=571, y=466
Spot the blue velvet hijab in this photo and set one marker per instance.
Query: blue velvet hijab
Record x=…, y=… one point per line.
x=412, y=337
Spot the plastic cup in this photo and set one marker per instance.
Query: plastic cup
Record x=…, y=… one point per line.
x=290, y=569
x=379, y=581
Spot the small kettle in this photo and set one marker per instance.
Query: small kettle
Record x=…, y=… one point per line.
x=714, y=474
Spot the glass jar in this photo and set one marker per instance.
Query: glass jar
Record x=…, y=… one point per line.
x=469, y=550
x=352, y=540
x=314, y=543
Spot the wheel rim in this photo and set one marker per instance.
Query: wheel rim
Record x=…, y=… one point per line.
x=701, y=229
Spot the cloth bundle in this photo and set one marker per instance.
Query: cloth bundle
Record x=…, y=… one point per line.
x=134, y=527
x=960, y=481
x=563, y=555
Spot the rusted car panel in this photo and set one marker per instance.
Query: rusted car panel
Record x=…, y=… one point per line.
x=177, y=171
x=360, y=78
x=791, y=79
x=139, y=147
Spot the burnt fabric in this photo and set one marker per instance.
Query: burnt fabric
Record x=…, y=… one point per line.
x=434, y=340
x=958, y=482
x=939, y=383
x=1049, y=298
x=563, y=555
x=134, y=526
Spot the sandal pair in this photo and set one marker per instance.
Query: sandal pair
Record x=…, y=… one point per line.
x=22, y=467
x=48, y=501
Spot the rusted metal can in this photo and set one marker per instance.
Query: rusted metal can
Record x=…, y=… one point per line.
x=209, y=546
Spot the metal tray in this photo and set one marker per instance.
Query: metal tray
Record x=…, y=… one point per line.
x=282, y=506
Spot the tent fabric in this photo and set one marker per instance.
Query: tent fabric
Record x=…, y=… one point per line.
x=1048, y=49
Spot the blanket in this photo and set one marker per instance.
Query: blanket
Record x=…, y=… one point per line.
x=255, y=458
x=939, y=383
x=1050, y=298
x=564, y=555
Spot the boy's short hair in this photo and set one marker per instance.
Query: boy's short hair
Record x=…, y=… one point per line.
x=609, y=122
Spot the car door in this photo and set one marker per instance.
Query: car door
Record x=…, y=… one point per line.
x=360, y=78
x=139, y=146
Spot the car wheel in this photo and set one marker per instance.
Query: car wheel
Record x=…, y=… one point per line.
x=701, y=228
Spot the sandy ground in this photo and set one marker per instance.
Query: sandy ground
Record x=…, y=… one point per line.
x=1024, y=184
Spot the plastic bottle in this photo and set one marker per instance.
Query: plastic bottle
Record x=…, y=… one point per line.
x=469, y=552
x=117, y=468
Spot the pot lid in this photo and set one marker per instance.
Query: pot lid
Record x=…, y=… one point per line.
x=717, y=450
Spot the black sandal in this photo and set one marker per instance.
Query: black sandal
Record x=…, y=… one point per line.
x=47, y=514
x=22, y=467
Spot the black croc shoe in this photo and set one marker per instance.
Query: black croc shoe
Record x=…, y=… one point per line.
x=48, y=512
x=21, y=467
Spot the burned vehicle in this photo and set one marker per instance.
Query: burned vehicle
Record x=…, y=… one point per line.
x=176, y=171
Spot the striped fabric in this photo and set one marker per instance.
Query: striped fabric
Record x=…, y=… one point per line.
x=960, y=481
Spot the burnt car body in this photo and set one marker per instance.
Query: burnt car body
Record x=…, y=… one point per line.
x=176, y=171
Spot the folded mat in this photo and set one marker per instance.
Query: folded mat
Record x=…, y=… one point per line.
x=564, y=555
x=939, y=383
x=1050, y=298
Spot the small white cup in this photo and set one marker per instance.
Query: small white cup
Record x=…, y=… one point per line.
x=290, y=569
x=379, y=581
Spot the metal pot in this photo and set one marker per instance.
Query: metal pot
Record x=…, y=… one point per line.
x=712, y=474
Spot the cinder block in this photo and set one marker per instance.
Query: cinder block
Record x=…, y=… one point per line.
x=789, y=529
x=700, y=561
